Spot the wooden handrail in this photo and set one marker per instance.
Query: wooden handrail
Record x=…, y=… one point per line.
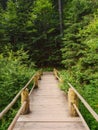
x=10, y=105
x=94, y=114
x=56, y=73
x=84, y=122
x=15, y=98
x=16, y=117
x=19, y=113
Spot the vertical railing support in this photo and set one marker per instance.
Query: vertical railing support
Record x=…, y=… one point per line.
x=36, y=81
x=39, y=75
x=25, y=98
x=55, y=72
x=72, y=99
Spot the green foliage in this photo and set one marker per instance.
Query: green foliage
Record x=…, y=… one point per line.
x=2, y=31
x=88, y=64
x=80, y=52
x=89, y=92
x=9, y=22
x=16, y=70
x=6, y=120
x=77, y=14
x=46, y=34
x=33, y=25
x=3, y=3
x=15, y=73
x=93, y=124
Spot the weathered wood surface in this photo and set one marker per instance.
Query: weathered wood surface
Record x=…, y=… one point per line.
x=49, y=109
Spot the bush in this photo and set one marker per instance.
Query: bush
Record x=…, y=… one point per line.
x=15, y=72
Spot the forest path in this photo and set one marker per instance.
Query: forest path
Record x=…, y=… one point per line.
x=49, y=109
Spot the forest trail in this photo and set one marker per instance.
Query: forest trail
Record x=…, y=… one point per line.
x=49, y=109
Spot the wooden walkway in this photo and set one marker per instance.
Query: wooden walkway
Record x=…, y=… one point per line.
x=49, y=109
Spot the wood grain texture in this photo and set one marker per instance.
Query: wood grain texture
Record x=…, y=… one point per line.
x=49, y=109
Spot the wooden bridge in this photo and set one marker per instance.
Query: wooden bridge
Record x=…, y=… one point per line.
x=49, y=108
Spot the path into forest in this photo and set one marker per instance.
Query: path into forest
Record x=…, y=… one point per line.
x=49, y=109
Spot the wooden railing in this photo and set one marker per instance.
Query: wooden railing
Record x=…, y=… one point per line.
x=34, y=78
x=73, y=101
x=94, y=114
x=57, y=75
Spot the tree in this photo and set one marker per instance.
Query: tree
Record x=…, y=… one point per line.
x=46, y=34
x=2, y=30
x=10, y=22
x=88, y=64
x=60, y=16
x=35, y=26
x=23, y=20
x=77, y=14
x=3, y=3
x=17, y=23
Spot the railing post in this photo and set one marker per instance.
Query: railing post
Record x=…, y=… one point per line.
x=39, y=75
x=25, y=98
x=55, y=72
x=36, y=81
x=72, y=99
x=41, y=72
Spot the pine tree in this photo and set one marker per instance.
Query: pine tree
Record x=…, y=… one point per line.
x=17, y=22
x=3, y=3
x=2, y=30
x=10, y=23
x=88, y=64
x=45, y=41
x=77, y=14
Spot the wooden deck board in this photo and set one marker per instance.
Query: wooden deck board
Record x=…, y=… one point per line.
x=50, y=126
x=49, y=109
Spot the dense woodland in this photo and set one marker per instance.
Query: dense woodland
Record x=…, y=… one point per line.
x=31, y=38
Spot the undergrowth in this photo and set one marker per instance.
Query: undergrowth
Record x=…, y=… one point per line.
x=15, y=71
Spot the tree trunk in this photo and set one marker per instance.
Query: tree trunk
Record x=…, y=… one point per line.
x=60, y=16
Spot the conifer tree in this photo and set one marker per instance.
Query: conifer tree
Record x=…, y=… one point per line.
x=23, y=17
x=17, y=22
x=2, y=30
x=3, y=3
x=10, y=22
x=88, y=64
x=77, y=14
x=46, y=32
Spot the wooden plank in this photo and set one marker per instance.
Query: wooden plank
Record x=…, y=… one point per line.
x=50, y=126
x=48, y=119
